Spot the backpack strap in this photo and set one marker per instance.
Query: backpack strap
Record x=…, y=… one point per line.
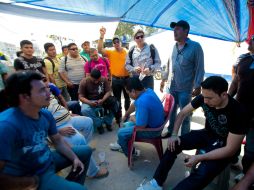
x=130, y=55
x=152, y=52
x=84, y=58
x=65, y=62
x=52, y=62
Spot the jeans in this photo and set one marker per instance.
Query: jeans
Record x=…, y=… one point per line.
x=65, y=93
x=205, y=172
x=74, y=92
x=181, y=100
x=118, y=87
x=50, y=181
x=75, y=107
x=84, y=131
x=124, y=134
x=89, y=111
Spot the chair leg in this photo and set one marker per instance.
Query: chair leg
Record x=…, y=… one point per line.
x=130, y=148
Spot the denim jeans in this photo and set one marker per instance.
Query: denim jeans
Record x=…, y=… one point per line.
x=89, y=111
x=181, y=100
x=50, y=181
x=205, y=172
x=124, y=134
x=84, y=131
x=118, y=88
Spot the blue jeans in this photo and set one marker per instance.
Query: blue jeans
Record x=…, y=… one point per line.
x=84, y=131
x=50, y=181
x=205, y=172
x=181, y=100
x=89, y=111
x=124, y=135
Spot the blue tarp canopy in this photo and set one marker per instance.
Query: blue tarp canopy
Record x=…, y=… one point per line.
x=220, y=19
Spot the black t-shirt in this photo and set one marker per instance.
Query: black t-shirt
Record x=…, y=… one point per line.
x=219, y=122
x=34, y=64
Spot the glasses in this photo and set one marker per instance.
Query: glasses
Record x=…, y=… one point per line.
x=74, y=49
x=116, y=42
x=138, y=37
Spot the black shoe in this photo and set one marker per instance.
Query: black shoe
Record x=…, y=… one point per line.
x=109, y=127
x=165, y=135
x=100, y=130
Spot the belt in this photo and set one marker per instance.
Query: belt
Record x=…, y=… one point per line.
x=120, y=77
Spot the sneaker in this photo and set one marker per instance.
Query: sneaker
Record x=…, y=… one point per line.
x=148, y=186
x=115, y=146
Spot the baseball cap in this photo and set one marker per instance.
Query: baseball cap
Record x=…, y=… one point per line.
x=185, y=25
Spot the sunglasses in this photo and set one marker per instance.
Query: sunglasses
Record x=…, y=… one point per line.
x=139, y=37
x=74, y=49
x=116, y=42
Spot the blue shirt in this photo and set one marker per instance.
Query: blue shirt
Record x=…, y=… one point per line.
x=149, y=110
x=23, y=144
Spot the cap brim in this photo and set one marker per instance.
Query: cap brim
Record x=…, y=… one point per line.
x=172, y=24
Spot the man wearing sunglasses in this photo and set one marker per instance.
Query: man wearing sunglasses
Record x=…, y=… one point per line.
x=117, y=58
x=243, y=87
x=71, y=70
x=143, y=60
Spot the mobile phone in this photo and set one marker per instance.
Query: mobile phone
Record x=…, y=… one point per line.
x=72, y=176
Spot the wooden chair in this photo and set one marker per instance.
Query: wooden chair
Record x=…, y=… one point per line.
x=151, y=135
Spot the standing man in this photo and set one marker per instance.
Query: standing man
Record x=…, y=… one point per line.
x=143, y=60
x=187, y=70
x=71, y=70
x=85, y=53
x=26, y=161
x=117, y=58
x=242, y=86
x=52, y=63
x=225, y=128
x=27, y=61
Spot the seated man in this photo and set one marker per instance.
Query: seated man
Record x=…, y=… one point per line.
x=76, y=130
x=220, y=141
x=149, y=112
x=26, y=161
x=94, y=91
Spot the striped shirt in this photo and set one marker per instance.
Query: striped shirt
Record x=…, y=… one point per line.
x=60, y=113
x=74, y=69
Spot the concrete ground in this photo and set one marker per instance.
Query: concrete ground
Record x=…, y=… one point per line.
x=121, y=177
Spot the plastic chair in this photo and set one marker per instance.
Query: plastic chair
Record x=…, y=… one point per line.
x=151, y=135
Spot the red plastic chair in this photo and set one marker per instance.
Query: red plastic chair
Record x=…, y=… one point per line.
x=151, y=135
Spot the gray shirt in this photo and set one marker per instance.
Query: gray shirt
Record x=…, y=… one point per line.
x=187, y=67
x=74, y=69
x=142, y=58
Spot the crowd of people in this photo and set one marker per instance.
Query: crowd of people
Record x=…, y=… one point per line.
x=51, y=107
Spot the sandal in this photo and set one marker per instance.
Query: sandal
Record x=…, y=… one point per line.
x=103, y=172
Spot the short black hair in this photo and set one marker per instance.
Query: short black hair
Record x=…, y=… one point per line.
x=133, y=83
x=85, y=42
x=25, y=42
x=63, y=47
x=215, y=83
x=95, y=73
x=47, y=46
x=20, y=83
x=71, y=44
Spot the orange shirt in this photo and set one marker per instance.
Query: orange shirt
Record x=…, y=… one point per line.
x=117, y=62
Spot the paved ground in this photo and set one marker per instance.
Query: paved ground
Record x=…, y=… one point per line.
x=121, y=177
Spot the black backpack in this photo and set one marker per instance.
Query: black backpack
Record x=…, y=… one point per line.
x=152, y=52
